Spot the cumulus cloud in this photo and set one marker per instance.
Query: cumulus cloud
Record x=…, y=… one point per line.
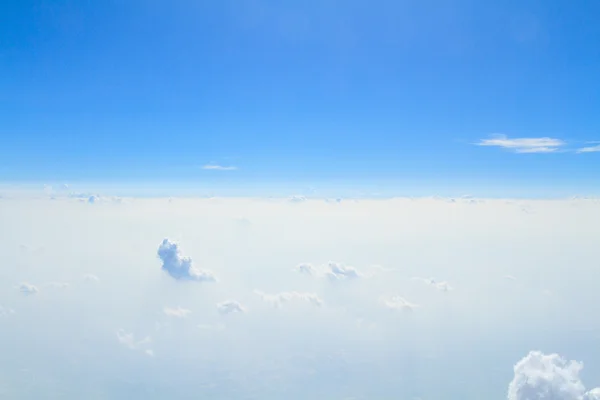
x=216, y=167
x=178, y=312
x=524, y=145
x=442, y=286
x=180, y=267
x=28, y=289
x=541, y=376
x=398, y=303
x=230, y=306
x=128, y=340
x=277, y=300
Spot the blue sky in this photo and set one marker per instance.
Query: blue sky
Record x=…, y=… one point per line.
x=380, y=96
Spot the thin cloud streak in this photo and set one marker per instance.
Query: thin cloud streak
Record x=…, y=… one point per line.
x=524, y=145
x=216, y=167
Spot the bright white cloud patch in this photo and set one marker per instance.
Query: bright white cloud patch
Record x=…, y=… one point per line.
x=398, y=303
x=524, y=145
x=180, y=267
x=279, y=299
x=178, y=312
x=28, y=289
x=540, y=376
x=230, y=306
x=216, y=167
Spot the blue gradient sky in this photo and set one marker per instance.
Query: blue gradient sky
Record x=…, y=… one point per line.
x=377, y=96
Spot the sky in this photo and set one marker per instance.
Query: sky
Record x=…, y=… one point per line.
x=260, y=199
x=345, y=97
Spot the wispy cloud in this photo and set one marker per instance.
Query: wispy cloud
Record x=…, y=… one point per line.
x=178, y=312
x=524, y=145
x=216, y=167
x=230, y=306
x=589, y=149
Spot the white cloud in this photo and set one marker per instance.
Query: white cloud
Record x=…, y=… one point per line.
x=57, y=285
x=398, y=303
x=128, y=340
x=589, y=149
x=93, y=199
x=91, y=278
x=524, y=145
x=442, y=286
x=28, y=289
x=5, y=311
x=307, y=269
x=279, y=299
x=333, y=271
x=230, y=306
x=297, y=199
x=180, y=267
x=178, y=312
x=216, y=167
x=541, y=376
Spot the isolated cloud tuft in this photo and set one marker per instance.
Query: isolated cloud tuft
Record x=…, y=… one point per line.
x=91, y=278
x=307, y=269
x=541, y=376
x=399, y=304
x=128, y=340
x=277, y=300
x=180, y=267
x=442, y=286
x=28, y=289
x=5, y=311
x=524, y=145
x=230, y=306
x=338, y=272
x=178, y=312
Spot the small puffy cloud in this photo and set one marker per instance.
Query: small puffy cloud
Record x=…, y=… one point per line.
x=91, y=278
x=277, y=300
x=307, y=269
x=128, y=340
x=524, y=145
x=216, y=167
x=589, y=149
x=5, y=311
x=180, y=267
x=230, y=306
x=398, y=303
x=333, y=271
x=297, y=199
x=28, y=289
x=178, y=312
x=541, y=376
x=93, y=199
x=442, y=286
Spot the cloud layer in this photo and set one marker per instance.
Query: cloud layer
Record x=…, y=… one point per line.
x=524, y=145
